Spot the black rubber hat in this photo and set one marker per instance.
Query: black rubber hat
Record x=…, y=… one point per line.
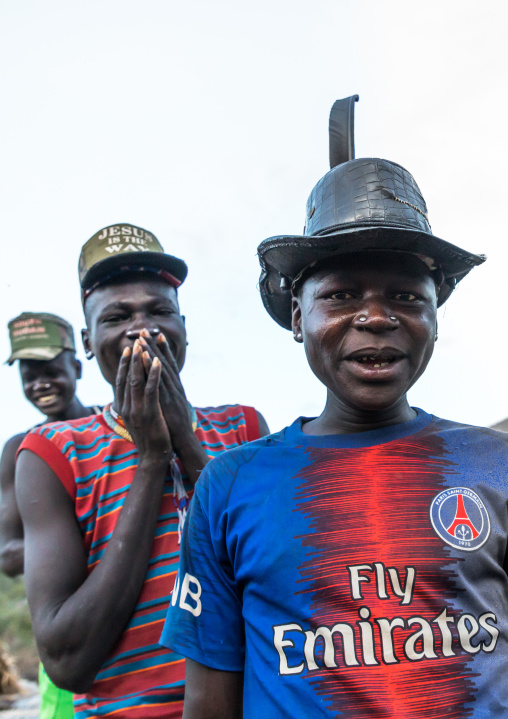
x=364, y=204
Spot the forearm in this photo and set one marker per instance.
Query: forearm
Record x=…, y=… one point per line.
x=12, y=557
x=192, y=456
x=80, y=632
x=211, y=693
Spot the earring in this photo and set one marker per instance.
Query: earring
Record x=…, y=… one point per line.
x=89, y=354
x=297, y=336
x=435, y=338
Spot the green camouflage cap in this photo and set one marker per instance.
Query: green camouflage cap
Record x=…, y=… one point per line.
x=39, y=336
x=123, y=248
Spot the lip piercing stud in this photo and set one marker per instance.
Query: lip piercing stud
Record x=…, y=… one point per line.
x=362, y=319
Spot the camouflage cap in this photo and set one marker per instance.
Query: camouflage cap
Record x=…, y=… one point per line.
x=123, y=248
x=39, y=336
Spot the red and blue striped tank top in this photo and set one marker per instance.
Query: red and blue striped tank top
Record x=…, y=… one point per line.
x=96, y=466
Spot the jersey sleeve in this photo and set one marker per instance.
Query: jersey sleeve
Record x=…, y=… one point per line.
x=204, y=620
x=251, y=423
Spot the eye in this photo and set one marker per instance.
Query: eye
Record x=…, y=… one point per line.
x=164, y=311
x=112, y=318
x=407, y=297
x=341, y=295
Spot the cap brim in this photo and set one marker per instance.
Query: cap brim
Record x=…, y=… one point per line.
x=42, y=354
x=287, y=255
x=135, y=260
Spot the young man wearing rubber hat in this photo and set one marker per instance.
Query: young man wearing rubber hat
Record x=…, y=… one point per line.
x=352, y=561
x=43, y=344
x=112, y=492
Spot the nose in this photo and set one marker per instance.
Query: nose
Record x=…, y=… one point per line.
x=375, y=316
x=39, y=385
x=134, y=334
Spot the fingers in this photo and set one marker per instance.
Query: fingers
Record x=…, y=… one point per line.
x=147, y=362
x=163, y=345
x=152, y=385
x=121, y=375
x=170, y=374
x=137, y=379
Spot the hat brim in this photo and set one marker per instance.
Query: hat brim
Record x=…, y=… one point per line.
x=287, y=255
x=41, y=354
x=135, y=260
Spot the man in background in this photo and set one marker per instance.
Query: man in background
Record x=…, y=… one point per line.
x=44, y=346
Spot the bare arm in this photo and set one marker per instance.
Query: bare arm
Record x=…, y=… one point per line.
x=11, y=527
x=212, y=694
x=78, y=617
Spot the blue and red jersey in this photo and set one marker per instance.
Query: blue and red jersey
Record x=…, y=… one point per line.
x=140, y=679
x=353, y=576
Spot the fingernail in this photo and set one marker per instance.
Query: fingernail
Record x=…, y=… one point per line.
x=161, y=339
x=142, y=341
x=146, y=355
x=137, y=347
x=144, y=333
x=156, y=362
x=126, y=352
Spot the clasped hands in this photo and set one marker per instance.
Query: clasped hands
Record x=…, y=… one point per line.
x=150, y=397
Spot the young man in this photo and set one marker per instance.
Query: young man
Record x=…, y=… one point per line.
x=49, y=369
x=354, y=564
x=108, y=495
x=44, y=346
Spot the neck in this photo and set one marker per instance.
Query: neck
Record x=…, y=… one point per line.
x=73, y=411
x=339, y=418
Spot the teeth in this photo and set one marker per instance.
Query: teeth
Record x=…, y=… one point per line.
x=47, y=399
x=366, y=359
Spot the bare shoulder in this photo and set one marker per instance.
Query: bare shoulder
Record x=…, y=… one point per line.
x=8, y=459
x=38, y=486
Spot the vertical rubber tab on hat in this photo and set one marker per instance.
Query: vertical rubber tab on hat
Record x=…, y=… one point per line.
x=341, y=131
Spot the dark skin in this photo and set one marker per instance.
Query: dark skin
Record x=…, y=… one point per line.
x=367, y=367
x=50, y=386
x=135, y=330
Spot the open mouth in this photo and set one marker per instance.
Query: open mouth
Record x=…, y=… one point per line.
x=46, y=399
x=376, y=359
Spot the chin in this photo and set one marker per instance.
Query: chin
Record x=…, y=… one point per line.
x=375, y=400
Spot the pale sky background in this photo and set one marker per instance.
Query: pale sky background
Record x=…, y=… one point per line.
x=206, y=123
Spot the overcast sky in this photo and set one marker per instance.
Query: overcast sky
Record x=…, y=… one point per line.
x=206, y=123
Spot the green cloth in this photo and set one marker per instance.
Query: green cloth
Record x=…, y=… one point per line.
x=55, y=703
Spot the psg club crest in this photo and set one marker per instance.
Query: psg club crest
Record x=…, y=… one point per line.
x=460, y=518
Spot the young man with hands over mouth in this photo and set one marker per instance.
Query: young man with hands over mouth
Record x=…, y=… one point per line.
x=107, y=496
x=354, y=564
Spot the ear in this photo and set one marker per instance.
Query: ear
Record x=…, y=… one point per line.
x=79, y=368
x=183, y=318
x=85, y=338
x=296, y=319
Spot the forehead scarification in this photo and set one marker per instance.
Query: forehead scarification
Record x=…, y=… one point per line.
x=395, y=263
